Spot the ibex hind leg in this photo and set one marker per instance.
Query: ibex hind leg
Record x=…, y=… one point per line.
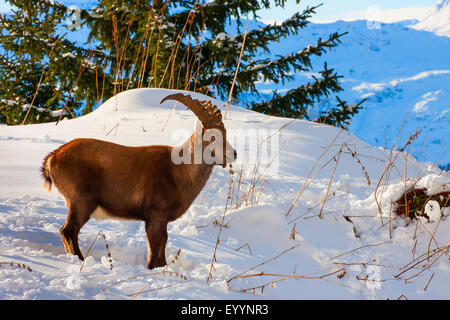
x=77, y=216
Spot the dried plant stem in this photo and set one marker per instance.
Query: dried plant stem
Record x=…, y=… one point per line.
x=219, y=233
x=331, y=179
x=40, y=80
x=291, y=276
x=428, y=283
x=16, y=264
x=177, y=255
x=308, y=180
x=262, y=263
x=116, y=126
x=159, y=288
x=100, y=233
x=262, y=287
x=387, y=170
x=363, y=168
x=170, y=273
x=230, y=93
x=365, y=246
x=435, y=229
x=80, y=72
x=422, y=258
x=245, y=245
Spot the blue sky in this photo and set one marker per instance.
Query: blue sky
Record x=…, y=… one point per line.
x=331, y=9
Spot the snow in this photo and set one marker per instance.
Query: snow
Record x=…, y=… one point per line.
x=438, y=20
x=357, y=256
x=376, y=14
x=433, y=210
x=403, y=72
x=68, y=54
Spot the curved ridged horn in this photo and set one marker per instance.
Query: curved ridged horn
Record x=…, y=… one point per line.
x=206, y=112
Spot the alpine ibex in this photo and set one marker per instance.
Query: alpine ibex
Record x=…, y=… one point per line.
x=105, y=180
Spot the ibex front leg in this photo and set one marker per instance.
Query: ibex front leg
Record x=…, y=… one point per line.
x=156, y=229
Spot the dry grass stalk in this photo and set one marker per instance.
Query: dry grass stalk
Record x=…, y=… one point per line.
x=437, y=225
x=245, y=245
x=261, y=264
x=427, y=231
x=259, y=178
x=422, y=258
x=428, y=283
x=175, y=258
x=146, y=39
x=331, y=178
x=170, y=273
x=214, y=257
x=365, y=246
x=364, y=264
x=116, y=126
x=390, y=164
x=292, y=276
x=16, y=265
x=230, y=93
x=341, y=272
x=80, y=72
x=99, y=234
x=261, y=287
x=333, y=195
x=363, y=168
x=159, y=288
x=308, y=180
x=40, y=80
x=292, y=236
x=171, y=63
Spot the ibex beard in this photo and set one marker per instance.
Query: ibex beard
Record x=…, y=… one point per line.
x=155, y=184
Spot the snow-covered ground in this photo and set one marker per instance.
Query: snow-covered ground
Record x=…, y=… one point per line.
x=352, y=252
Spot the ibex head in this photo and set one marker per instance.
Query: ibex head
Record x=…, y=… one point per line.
x=212, y=136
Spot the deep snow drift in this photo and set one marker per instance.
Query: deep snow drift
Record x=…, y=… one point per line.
x=352, y=252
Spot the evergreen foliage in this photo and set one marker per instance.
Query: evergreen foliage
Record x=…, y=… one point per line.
x=170, y=44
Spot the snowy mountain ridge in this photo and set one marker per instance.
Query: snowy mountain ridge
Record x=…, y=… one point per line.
x=401, y=71
x=438, y=21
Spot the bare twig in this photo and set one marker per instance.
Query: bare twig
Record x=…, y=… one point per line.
x=365, y=246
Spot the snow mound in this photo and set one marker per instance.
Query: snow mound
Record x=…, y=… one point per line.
x=141, y=100
x=330, y=173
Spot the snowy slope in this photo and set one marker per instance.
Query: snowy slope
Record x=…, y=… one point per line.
x=438, y=21
x=404, y=74
x=323, y=265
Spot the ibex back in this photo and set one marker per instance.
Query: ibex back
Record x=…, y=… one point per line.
x=105, y=180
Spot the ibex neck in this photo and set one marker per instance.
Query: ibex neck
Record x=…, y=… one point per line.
x=194, y=176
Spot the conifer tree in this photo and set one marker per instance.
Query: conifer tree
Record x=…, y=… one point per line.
x=45, y=77
x=180, y=44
